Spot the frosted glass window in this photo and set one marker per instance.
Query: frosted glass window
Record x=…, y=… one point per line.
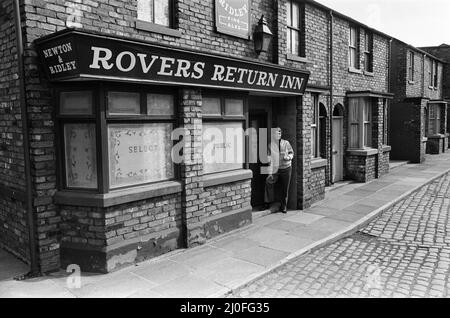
x=139, y=154
x=124, y=103
x=76, y=103
x=158, y=104
x=234, y=107
x=211, y=106
x=223, y=146
x=80, y=155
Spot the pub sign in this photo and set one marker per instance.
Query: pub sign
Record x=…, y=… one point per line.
x=233, y=17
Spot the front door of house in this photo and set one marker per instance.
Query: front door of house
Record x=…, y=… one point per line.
x=338, y=147
x=257, y=121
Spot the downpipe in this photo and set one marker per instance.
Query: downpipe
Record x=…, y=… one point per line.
x=34, y=267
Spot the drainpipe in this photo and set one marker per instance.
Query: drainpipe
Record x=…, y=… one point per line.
x=34, y=267
x=388, y=128
x=331, y=98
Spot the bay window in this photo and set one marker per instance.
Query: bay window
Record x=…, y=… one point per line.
x=434, y=119
x=116, y=138
x=360, y=123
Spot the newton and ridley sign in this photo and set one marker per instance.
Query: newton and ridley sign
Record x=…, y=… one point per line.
x=233, y=17
x=76, y=55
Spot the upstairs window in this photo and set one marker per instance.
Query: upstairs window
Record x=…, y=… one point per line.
x=411, y=67
x=435, y=77
x=368, y=52
x=353, y=52
x=430, y=73
x=156, y=12
x=295, y=22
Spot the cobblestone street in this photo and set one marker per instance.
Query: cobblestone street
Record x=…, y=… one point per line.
x=405, y=252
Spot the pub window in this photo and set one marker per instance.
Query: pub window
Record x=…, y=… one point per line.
x=411, y=66
x=353, y=52
x=315, y=126
x=322, y=131
x=434, y=119
x=360, y=123
x=77, y=121
x=295, y=29
x=139, y=151
x=131, y=147
x=368, y=52
x=156, y=11
x=223, y=133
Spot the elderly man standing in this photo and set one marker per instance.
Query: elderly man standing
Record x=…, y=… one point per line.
x=281, y=166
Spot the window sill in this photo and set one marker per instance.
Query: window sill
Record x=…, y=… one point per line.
x=355, y=70
x=411, y=82
x=371, y=74
x=386, y=148
x=317, y=163
x=362, y=152
x=437, y=136
x=424, y=139
x=117, y=197
x=431, y=87
x=155, y=28
x=296, y=58
x=226, y=177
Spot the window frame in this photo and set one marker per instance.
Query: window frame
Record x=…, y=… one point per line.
x=411, y=66
x=436, y=75
x=101, y=118
x=290, y=29
x=354, y=47
x=368, y=52
x=223, y=117
x=434, y=126
x=171, y=29
x=361, y=122
x=431, y=73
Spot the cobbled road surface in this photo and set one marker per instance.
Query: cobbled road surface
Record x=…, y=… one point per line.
x=405, y=252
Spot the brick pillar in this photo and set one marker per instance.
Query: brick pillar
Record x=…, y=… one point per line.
x=191, y=170
x=304, y=117
x=377, y=134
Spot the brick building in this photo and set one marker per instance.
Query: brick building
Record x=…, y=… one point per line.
x=443, y=52
x=418, y=115
x=106, y=83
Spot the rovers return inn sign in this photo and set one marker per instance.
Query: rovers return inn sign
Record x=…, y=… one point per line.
x=75, y=55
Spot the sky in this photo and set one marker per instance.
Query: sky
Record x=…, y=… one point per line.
x=416, y=22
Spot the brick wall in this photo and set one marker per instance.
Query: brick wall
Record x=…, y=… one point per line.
x=316, y=185
x=13, y=228
x=226, y=198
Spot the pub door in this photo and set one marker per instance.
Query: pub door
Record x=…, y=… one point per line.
x=257, y=121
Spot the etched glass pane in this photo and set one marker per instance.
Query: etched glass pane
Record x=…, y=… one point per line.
x=80, y=156
x=223, y=146
x=124, y=103
x=234, y=107
x=162, y=14
x=211, y=106
x=145, y=10
x=158, y=104
x=353, y=111
x=139, y=153
x=76, y=103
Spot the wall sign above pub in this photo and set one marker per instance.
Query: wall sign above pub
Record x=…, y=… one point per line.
x=76, y=55
x=233, y=17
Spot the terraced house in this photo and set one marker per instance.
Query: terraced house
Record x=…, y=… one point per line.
x=419, y=112
x=111, y=168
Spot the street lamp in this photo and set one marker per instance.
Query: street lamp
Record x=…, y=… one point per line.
x=262, y=36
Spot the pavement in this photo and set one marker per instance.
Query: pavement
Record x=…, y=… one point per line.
x=403, y=253
x=239, y=258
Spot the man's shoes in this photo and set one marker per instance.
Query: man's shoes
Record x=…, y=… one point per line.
x=283, y=211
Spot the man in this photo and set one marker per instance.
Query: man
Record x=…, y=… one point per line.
x=281, y=166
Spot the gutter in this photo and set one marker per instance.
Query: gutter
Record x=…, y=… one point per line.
x=34, y=267
x=331, y=96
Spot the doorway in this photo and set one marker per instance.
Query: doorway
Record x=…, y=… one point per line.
x=338, y=144
x=257, y=121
